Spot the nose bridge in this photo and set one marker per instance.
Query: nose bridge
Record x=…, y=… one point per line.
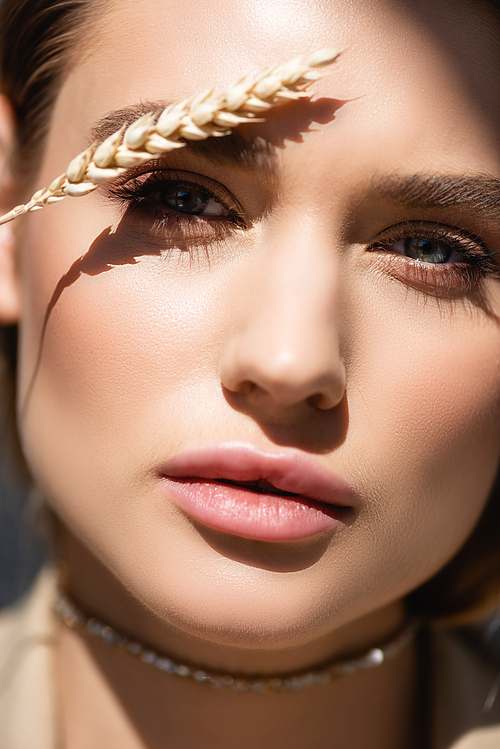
x=301, y=288
x=287, y=345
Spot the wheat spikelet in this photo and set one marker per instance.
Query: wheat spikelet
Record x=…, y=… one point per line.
x=206, y=115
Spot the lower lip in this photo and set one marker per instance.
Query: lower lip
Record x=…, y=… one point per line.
x=262, y=517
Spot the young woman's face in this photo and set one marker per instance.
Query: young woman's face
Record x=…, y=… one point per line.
x=323, y=301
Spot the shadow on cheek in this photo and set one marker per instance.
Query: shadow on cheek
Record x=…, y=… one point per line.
x=109, y=250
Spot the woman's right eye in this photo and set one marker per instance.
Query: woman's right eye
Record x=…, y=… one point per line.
x=178, y=204
x=188, y=199
x=179, y=193
x=179, y=207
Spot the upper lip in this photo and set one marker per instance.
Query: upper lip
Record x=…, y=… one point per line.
x=293, y=473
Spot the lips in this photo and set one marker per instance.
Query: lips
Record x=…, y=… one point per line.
x=264, y=496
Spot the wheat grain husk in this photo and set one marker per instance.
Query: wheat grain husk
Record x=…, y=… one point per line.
x=203, y=116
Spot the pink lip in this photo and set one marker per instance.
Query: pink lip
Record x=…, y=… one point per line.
x=196, y=481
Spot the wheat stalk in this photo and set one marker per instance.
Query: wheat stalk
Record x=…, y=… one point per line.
x=206, y=115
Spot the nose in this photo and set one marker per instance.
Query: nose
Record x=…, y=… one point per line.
x=285, y=349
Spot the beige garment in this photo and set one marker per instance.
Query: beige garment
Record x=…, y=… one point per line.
x=27, y=703
x=460, y=680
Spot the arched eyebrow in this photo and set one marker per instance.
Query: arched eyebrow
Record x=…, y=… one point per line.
x=242, y=149
x=478, y=192
x=246, y=149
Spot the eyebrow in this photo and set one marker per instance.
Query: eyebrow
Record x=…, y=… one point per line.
x=426, y=191
x=237, y=150
x=243, y=149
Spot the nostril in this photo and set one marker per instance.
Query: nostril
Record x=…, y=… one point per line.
x=322, y=401
x=276, y=368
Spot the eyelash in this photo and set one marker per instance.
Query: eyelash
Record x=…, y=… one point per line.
x=477, y=263
x=191, y=230
x=167, y=223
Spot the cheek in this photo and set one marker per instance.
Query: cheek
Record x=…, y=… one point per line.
x=109, y=375
x=127, y=373
x=425, y=410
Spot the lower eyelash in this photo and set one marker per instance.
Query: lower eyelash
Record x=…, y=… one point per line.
x=447, y=281
x=456, y=277
x=182, y=231
x=448, y=278
x=171, y=227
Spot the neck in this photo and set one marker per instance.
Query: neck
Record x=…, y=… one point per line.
x=119, y=701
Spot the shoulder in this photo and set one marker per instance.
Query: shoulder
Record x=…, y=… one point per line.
x=26, y=663
x=464, y=691
x=29, y=614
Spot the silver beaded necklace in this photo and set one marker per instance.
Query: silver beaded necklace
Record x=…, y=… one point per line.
x=74, y=618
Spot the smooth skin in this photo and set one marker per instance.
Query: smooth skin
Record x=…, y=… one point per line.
x=294, y=333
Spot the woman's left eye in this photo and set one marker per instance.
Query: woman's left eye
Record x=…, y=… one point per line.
x=434, y=256
x=427, y=250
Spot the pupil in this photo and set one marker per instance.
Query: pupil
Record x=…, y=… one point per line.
x=427, y=250
x=185, y=200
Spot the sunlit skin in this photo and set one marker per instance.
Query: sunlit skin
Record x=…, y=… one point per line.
x=306, y=329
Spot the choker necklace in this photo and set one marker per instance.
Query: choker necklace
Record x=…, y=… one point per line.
x=76, y=619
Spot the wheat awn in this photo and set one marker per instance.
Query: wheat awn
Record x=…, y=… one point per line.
x=203, y=116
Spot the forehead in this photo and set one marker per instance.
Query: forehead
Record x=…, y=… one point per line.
x=418, y=79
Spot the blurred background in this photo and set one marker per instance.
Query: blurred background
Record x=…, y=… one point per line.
x=21, y=554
